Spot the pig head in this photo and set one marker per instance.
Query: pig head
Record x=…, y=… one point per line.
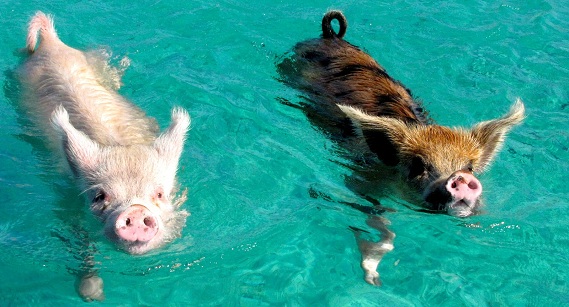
x=130, y=188
x=438, y=161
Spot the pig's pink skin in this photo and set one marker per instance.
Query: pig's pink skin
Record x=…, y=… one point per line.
x=463, y=187
x=136, y=224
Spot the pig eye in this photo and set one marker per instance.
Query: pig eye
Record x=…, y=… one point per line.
x=159, y=193
x=417, y=168
x=100, y=196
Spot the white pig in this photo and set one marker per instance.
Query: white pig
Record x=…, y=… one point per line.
x=126, y=171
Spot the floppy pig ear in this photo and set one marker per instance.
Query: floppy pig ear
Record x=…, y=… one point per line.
x=491, y=134
x=81, y=152
x=170, y=143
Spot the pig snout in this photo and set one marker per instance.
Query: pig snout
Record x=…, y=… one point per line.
x=459, y=195
x=464, y=187
x=136, y=224
x=464, y=191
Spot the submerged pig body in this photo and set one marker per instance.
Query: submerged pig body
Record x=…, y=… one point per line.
x=438, y=163
x=125, y=168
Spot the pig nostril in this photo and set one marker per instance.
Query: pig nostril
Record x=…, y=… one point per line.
x=473, y=185
x=136, y=224
x=453, y=185
x=148, y=222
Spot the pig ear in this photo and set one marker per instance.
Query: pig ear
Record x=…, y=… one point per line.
x=170, y=143
x=384, y=135
x=491, y=134
x=81, y=152
x=393, y=127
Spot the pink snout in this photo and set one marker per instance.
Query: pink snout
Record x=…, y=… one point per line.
x=464, y=188
x=136, y=223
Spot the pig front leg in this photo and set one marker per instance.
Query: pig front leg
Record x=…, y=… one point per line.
x=91, y=288
x=90, y=285
x=372, y=252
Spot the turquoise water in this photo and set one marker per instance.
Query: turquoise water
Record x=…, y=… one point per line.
x=255, y=236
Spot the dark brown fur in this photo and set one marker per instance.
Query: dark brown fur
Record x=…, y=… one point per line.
x=334, y=71
x=340, y=71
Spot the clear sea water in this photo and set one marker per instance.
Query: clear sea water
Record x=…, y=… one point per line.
x=255, y=236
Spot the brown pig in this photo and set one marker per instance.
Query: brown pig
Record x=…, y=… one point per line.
x=438, y=162
x=352, y=96
x=126, y=170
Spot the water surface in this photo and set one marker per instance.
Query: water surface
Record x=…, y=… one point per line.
x=256, y=237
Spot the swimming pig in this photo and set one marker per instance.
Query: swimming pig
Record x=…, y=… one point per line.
x=438, y=161
x=126, y=171
x=353, y=96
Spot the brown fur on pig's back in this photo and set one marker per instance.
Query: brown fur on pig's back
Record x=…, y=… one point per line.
x=340, y=72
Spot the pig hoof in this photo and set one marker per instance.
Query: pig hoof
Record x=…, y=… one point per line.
x=91, y=288
x=372, y=278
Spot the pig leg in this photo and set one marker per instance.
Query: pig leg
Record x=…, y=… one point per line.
x=89, y=285
x=373, y=252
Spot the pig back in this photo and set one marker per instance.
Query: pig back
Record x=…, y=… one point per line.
x=334, y=72
x=59, y=75
x=340, y=73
